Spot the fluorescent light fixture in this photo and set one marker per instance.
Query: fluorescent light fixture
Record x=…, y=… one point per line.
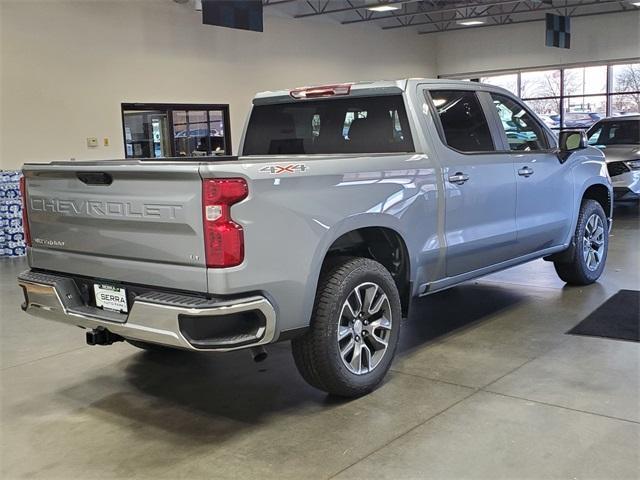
x=635, y=4
x=383, y=8
x=468, y=23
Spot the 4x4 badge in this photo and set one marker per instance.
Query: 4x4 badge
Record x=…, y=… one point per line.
x=278, y=169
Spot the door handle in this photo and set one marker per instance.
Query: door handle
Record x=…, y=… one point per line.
x=525, y=172
x=458, y=178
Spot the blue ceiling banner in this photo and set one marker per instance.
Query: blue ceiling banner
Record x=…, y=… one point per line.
x=558, y=33
x=241, y=14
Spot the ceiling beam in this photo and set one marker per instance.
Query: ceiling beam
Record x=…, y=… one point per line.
x=455, y=18
x=268, y=3
x=531, y=20
x=432, y=11
x=350, y=7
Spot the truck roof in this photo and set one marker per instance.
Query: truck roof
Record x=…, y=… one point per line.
x=379, y=87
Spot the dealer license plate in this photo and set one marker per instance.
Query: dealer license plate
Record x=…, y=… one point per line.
x=111, y=298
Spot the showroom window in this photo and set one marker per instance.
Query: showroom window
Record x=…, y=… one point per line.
x=464, y=125
x=574, y=97
x=508, y=82
x=175, y=130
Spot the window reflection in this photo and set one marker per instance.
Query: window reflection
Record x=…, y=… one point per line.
x=575, y=97
x=508, y=82
x=541, y=84
x=585, y=80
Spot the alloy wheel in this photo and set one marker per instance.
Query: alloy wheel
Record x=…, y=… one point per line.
x=593, y=242
x=364, y=328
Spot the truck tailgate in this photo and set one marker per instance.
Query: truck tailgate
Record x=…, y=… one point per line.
x=129, y=221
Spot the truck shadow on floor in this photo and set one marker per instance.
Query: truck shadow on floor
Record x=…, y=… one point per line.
x=441, y=314
x=208, y=397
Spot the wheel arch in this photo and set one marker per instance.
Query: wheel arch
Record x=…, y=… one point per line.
x=382, y=244
x=601, y=193
x=595, y=189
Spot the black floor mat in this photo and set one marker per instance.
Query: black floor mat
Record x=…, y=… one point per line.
x=618, y=317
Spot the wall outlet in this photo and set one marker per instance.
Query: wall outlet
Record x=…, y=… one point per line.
x=92, y=142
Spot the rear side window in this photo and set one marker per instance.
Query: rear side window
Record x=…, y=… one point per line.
x=523, y=132
x=464, y=125
x=345, y=125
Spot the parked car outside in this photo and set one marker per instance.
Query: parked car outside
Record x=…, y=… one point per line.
x=580, y=119
x=552, y=120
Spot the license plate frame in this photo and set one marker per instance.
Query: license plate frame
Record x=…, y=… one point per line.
x=110, y=297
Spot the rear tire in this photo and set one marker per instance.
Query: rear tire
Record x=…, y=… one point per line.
x=354, y=329
x=591, y=240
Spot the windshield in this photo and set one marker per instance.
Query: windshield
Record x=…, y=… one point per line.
x=345, y=125
x=617, y=132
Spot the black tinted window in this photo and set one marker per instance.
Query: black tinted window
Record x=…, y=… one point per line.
x=523, y=132
x=463, y=122
x=345, y=125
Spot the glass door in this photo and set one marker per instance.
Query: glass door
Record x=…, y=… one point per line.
x=146, y=134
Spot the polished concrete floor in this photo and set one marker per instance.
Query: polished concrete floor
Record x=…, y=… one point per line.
x=486, y=385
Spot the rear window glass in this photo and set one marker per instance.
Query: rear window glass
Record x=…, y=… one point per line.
x=345, y=125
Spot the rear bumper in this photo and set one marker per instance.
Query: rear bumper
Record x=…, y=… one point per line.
x=175, y=320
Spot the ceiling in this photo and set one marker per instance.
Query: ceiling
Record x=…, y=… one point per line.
x=433, y=16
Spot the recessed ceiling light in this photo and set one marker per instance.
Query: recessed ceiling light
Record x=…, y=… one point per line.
x=383, y=8
x=471, y=22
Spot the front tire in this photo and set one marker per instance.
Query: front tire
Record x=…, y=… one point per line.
x=354, y=329
x=591, y=240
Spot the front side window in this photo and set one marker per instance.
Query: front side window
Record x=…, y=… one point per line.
x=523, y=132
x=464, y=125
x=334, y=125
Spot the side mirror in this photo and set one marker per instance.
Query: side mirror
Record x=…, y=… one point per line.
x=570, y=141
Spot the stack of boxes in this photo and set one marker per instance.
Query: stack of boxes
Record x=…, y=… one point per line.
x=11, y=232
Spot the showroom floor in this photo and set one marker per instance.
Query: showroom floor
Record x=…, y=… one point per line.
x=487, y=385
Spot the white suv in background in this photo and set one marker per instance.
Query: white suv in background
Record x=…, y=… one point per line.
x=619, y=140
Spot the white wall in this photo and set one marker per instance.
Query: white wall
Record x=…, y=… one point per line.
x=595, y=38
x=66, y=66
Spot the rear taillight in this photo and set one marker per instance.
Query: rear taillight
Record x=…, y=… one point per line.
x=25, y=218
x=223, y=238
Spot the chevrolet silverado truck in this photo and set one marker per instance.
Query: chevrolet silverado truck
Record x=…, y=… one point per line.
x=345, y=203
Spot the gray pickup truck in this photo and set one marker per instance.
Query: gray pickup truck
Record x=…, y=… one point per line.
x=345, y=203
